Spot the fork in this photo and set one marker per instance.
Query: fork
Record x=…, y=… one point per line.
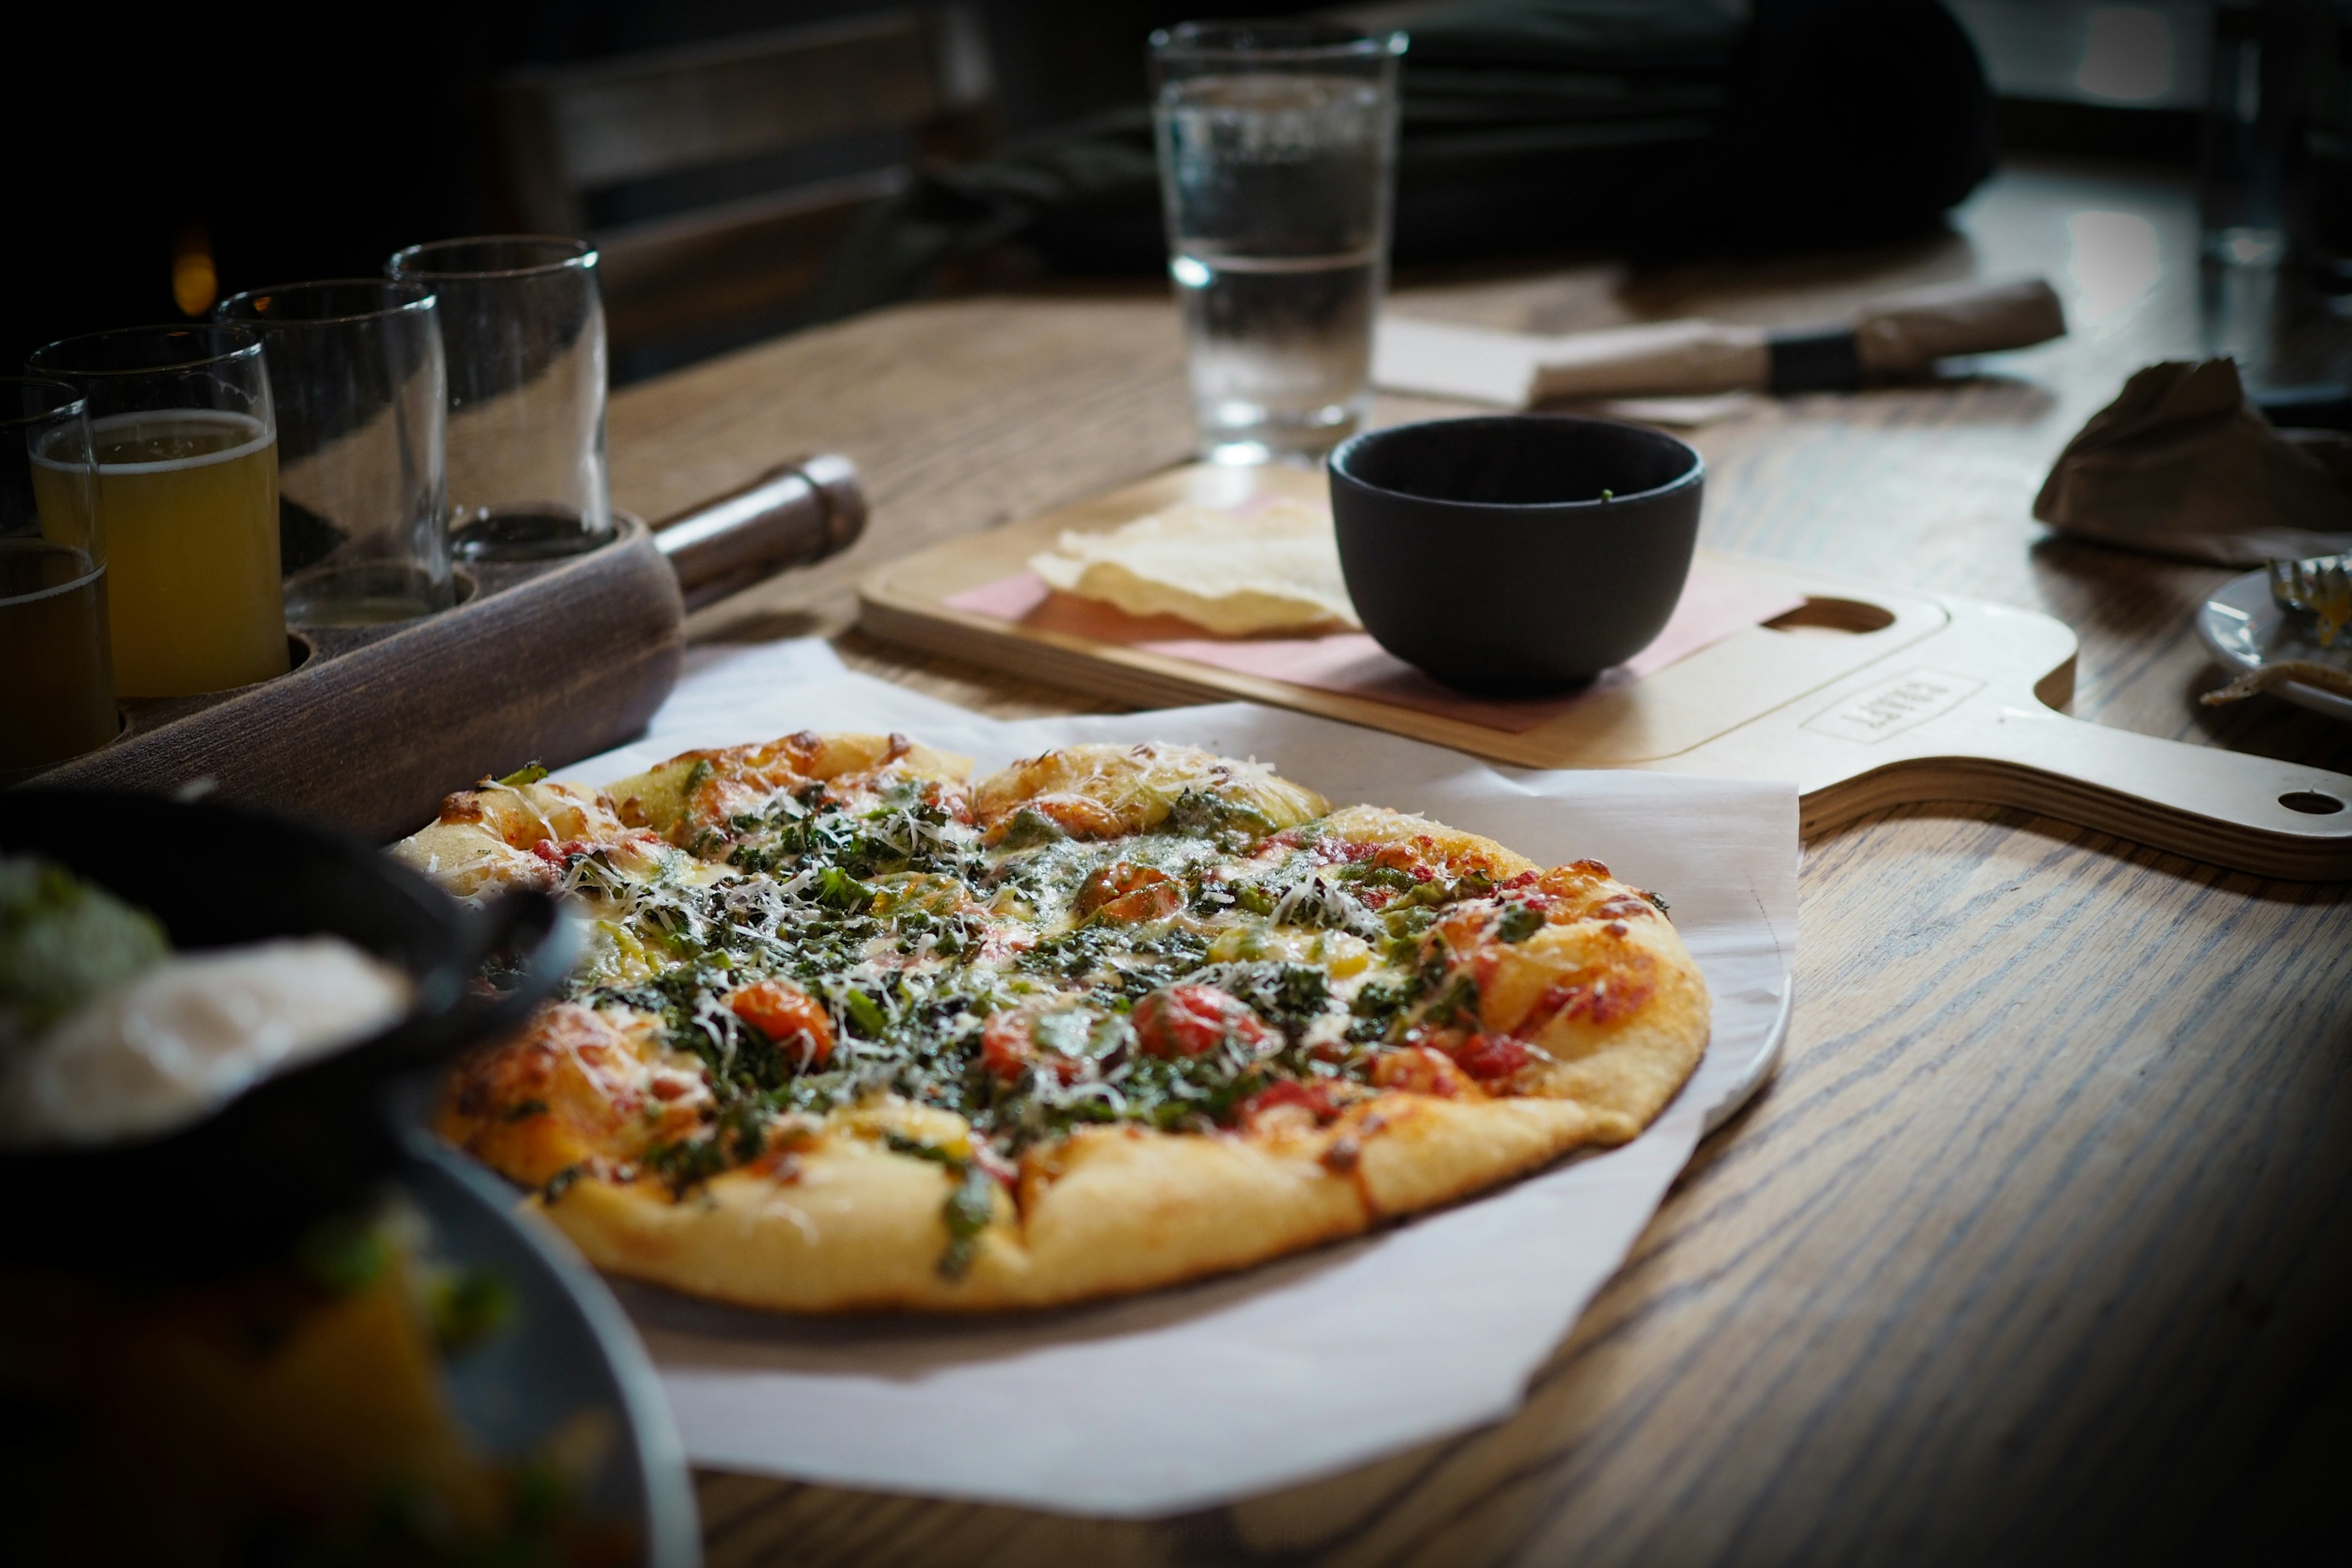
x=2319, y=587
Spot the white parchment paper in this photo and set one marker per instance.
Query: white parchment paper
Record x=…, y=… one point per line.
x=1187, y=1398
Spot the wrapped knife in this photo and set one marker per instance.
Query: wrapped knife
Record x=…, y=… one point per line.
x=1895, y=339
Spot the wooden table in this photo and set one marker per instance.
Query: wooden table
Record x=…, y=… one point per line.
x=2041, y=1244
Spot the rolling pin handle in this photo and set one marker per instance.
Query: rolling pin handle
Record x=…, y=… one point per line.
x=791, y=516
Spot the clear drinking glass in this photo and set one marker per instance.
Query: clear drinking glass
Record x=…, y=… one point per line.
x=1277, y=154
x=356, y=370
x=522, y=326
x=2247, y=116
x=56, y=669
x=186, y=442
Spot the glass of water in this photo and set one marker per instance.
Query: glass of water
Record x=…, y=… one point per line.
x=1277, y=154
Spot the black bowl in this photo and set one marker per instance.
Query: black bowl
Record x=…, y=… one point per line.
x=238, y=1187
x=1517, y=553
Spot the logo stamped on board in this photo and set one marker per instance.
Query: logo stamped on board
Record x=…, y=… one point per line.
x=1903, y=703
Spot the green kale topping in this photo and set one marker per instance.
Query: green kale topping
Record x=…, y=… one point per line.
x=1029, y=829
x=969, y=1207
x=1519, y=921
x=1288, y=995
x=1198, y=811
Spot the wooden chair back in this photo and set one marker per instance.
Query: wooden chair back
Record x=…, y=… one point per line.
x=560, y=134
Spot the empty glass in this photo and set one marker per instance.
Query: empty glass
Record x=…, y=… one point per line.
x=186, y=442
x=56, y=668
x=1277, y=154
x=355, y=370
x=522, y=327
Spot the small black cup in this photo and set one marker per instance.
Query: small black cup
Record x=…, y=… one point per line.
x=1519, y=553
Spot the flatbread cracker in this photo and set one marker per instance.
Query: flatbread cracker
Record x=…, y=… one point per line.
x=1268, y=568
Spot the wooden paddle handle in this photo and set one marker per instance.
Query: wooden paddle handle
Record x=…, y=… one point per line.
x=2250, y=813
x=789, y=516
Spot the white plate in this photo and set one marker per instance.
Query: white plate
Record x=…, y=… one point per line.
x=2244, y=628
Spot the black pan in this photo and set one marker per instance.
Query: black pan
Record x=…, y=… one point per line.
x=238, y=1189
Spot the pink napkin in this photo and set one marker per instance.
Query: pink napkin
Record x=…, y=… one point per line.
x=1713, y=606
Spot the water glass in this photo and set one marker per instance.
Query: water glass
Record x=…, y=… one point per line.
x=1277, y=155
x=186, y=442
x=2247, y=112
x=355, y=371
x=522, y=327
x=56, y=669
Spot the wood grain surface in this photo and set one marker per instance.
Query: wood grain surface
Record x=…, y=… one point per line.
x=2039, y=1249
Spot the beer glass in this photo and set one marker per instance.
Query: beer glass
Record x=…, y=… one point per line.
x=1277, y=152
x=57, y=670
x=355, y=371
x=523, y=328
x=186, y=443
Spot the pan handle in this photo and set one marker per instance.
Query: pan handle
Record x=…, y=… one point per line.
x=538, y=943
x=789, y=516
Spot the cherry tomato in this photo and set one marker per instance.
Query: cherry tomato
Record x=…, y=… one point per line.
x=1189, y=1020
x=1489, y=1057
x=1010, y=1048
x=1126, y=893
x=786, y=1014
x=1076, y=814
x=1007, y=1042
x=1315, y=1097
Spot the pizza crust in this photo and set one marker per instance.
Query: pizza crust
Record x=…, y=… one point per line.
x=857, y=1228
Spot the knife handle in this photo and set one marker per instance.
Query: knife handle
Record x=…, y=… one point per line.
x=1901, y=337
x=790, y=516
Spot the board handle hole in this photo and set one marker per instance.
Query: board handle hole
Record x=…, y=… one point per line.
x=1851, y=616
x=2311, y=803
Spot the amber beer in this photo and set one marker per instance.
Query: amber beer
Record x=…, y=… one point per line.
x=188, y=502
x=53, y=643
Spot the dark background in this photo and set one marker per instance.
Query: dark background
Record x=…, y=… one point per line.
x=292, y=144
x=312, y=143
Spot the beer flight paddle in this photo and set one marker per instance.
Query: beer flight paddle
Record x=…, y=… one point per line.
x=540, y=661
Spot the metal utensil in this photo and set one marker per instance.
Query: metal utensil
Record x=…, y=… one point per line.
x=2319, y=587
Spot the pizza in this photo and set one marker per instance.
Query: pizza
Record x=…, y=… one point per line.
x=856, y=1030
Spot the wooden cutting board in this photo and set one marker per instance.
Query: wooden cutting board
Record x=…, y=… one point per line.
x=1867, y=697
